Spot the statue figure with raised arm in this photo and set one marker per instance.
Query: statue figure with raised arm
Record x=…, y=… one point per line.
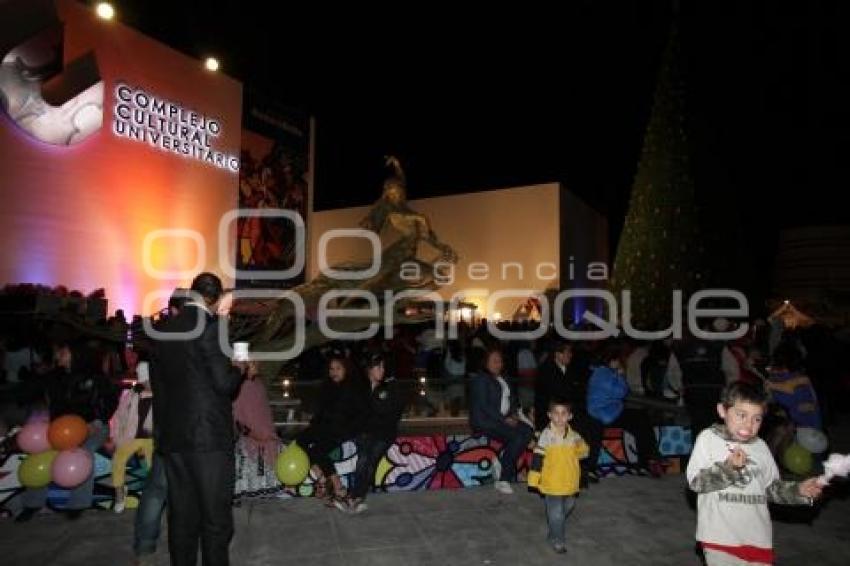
x=407, y=238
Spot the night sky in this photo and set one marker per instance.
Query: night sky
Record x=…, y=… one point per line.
x=473, y=99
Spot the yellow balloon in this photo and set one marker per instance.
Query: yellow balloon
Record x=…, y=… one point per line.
x=34, y=471
x=292, y=465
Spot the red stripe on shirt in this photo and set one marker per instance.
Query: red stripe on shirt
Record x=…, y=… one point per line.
x=744, y=552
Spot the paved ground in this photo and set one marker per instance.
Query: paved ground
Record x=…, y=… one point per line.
x=623, y=521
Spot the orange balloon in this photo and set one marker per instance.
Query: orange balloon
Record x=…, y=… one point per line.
x=66, y=432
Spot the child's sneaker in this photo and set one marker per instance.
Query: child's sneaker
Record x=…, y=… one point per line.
x=120, y=499
x=503, y=487
x=559, y=547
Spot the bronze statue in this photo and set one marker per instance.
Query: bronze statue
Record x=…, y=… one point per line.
x=413, y=228
x=390, y=216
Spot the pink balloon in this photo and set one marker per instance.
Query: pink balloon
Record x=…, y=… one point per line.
x=71, y=467
x=32, y=438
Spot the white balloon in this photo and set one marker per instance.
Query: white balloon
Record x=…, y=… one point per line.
x=812, y=439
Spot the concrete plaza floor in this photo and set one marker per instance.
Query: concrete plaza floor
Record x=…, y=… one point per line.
x=622, y=520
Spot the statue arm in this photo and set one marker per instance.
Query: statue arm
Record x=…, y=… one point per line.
x=374, y=220
x=428, y=234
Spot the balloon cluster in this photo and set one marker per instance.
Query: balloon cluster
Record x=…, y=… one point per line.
x=54, y=452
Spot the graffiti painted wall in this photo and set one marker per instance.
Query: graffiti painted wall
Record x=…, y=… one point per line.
x=412, y=463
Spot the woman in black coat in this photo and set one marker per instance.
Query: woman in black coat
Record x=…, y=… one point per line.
x=339, y=416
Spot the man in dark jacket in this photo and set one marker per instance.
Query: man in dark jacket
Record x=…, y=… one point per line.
x=155, y=493
x=702, y=377
x=193, y=384
x=558, y=379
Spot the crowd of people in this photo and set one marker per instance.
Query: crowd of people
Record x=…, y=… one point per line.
x=204, y=424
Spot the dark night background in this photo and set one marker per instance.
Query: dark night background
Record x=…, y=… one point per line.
x=480, y=98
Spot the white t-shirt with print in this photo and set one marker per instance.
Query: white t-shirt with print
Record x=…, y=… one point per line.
x=736, y=515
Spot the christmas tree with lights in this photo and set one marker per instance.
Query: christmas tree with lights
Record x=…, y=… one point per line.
x=660, y=248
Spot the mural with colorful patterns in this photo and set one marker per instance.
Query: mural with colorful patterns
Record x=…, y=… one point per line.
x=619, y=453
x=412, y=463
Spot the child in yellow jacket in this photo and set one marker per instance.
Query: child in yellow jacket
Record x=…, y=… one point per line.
x=555, y=470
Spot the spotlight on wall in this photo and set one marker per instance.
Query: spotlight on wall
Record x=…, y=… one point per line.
x=105, y=11
x=211, y=64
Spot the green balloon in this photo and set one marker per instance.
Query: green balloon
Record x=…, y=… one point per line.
x=798, y=460
x=34, y=471
x=292, y=465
